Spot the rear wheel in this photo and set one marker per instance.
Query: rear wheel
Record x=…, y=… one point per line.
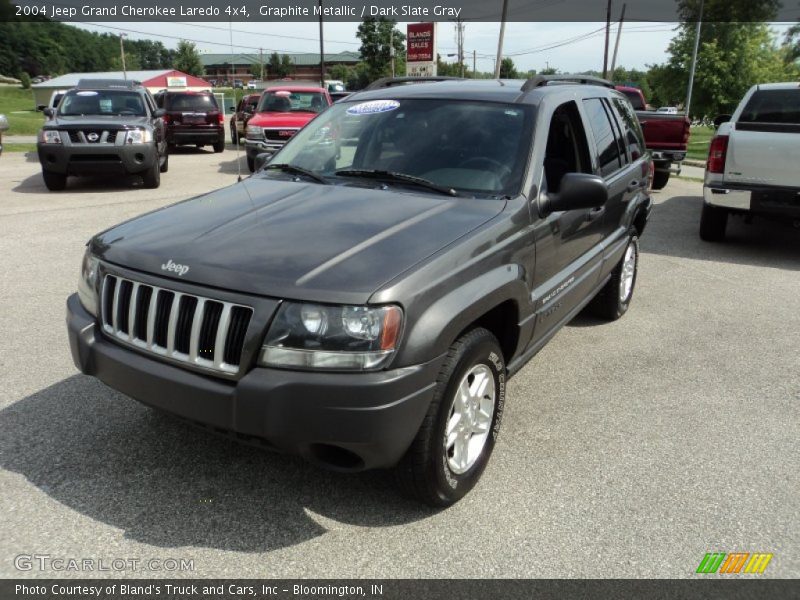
x=55, y=182
x=152, y=176
x=713, y=222
x=457, y=436
x=660, y=179
x=614, y=299
x=234, y=135
x=219, y=146
x=251, y=164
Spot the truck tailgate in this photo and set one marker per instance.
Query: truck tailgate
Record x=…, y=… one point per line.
x=767, y=158
x=664, y=131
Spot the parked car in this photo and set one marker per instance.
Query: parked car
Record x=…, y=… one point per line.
x=192, y=118
x=362, y=301
x=55, y=98
x=336, y=96
x=670, y=110
x=281, y=113
x=3, y=129
x=238, y=84
x=666, y=135
x=244, y=110
x=753, y=159
x=103, y=127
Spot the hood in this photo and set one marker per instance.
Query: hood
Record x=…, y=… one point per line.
x=281, y=119
x=294, y=240
x=96, y=121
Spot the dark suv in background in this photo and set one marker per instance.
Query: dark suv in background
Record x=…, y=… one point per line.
x=192, y=118
x=103, y=127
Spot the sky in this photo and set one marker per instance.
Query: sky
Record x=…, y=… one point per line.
x=527, y=43
x=569, y=47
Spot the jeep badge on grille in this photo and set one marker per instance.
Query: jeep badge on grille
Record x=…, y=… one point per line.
x=181, y=270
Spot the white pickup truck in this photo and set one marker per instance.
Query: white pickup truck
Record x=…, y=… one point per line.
x=753, y=163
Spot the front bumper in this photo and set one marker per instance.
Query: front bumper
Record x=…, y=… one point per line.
x=255, y=147
x=344, y=421
x=96, y=159
x=764, y=201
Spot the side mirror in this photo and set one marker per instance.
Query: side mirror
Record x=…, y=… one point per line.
x=721, y=119
x=261, y=160
x=578, y=191
x=40, y=107
x=49, y=112
x=159, y=113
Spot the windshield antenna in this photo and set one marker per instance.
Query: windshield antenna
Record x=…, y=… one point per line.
x=236, y=141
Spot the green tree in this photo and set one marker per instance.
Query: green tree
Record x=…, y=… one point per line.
x=25, y=80
x=378, y=37
x=279, y=65
x=507, y=69
x=793, y=43
x=548, y=71
x=339, y=72
x=187, y=59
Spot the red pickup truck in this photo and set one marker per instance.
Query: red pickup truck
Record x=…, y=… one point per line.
x=281, y=112
x=665, y=135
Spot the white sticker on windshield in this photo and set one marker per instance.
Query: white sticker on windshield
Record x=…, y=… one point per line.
x=372, y=107
x=87, y=93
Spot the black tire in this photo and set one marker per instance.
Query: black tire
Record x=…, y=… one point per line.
x=152, y=176
x=660, y=179
x=165, y=164
x=55, y=182
x=234, y=136
x=713, y=222
x=610, y=303
x=425, y=472
x=251, y=164
x=219, y=146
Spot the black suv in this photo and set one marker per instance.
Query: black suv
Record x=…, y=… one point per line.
x=192, y=118
x=103, y=127
x=364, y=297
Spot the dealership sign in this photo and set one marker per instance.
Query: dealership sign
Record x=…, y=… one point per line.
x=176, y=81
x=421, y=49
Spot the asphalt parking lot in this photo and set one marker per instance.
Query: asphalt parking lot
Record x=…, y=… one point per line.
x=628, y=449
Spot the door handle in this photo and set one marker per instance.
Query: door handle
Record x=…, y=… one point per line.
x=633, y=185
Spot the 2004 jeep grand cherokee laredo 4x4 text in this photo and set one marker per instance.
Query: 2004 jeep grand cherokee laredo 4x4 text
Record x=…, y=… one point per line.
x=362, y=299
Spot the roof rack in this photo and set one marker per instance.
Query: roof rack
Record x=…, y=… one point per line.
x=385, y=82
x=104, y=84
x=543, y=80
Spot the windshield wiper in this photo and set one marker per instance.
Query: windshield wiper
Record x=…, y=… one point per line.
x=394, y=176
x=288, y=168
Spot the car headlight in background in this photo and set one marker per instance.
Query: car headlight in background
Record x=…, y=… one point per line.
x=343, y=338
x=87, y=283
x=254, y=132
x=138, y=136
x=50, y=137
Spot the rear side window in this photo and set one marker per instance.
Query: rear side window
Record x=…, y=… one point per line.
x=773, y=106
x=632, y=130
x=608, y=150
x=192, y=102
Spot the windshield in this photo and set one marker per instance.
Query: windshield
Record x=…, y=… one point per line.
x=106, y=102
x=773, y=106
x=477, y=148
x=284, y=101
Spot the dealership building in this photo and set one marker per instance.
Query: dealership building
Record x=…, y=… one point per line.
x=153, y=80
x=227, y=67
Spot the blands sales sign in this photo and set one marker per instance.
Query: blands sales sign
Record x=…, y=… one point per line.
x=420, y=45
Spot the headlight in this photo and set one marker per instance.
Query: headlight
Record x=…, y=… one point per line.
x=87, y=284
x=50, y=137
x=343, y=338
x=138, y=136
x=254, y=132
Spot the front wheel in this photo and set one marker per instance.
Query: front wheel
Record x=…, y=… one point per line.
x=152, y=176
x=457, y=436
x=614, y=299
x=55, y=182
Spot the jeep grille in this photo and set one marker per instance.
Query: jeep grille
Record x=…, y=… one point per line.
x=190, y=329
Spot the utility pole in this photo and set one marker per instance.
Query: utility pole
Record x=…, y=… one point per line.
x=460, y=43
x=474, y=64
x=499, y=58
x=261, y=63
x=391, y=47
x=321, y=49
x=122, y=54
x=608, y=35
x=616, y=45
x=694, y=60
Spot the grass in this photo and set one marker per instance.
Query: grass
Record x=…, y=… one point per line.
x=699, y=140
x=17, y=105
x=19, y=148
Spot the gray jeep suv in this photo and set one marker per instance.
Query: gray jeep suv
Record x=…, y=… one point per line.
x=103, y=127
x=363, y=298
